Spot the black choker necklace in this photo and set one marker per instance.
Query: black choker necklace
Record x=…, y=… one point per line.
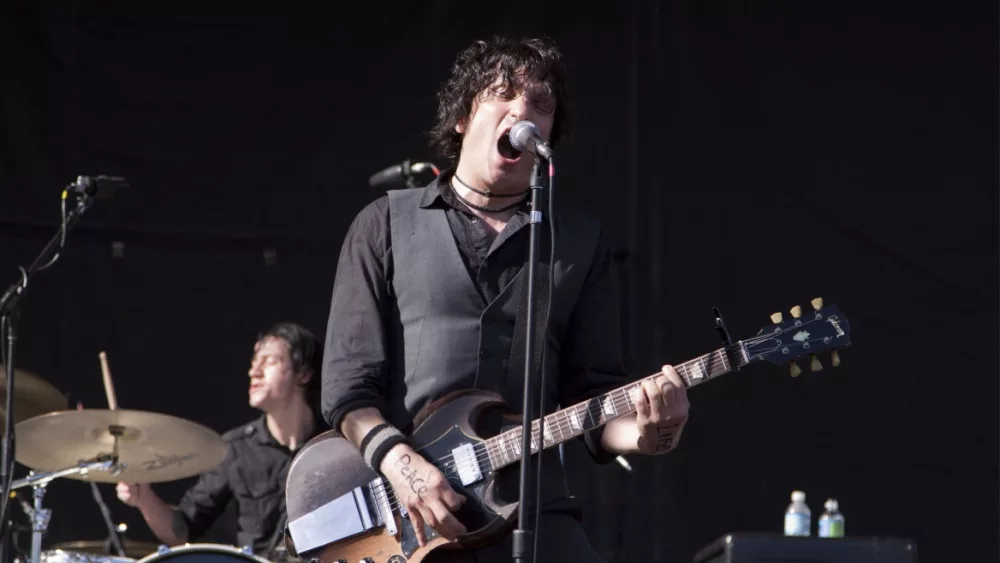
x=483, y=207
x=487, y=193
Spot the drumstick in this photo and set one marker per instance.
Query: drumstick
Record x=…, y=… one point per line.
x=109, y=387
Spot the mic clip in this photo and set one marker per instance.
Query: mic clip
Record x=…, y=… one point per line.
x=97, y=187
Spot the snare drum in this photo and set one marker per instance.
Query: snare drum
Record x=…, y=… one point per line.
x=202, y=553
x=61, y=556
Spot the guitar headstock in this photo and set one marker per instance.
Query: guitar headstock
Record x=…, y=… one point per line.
x=804, y=334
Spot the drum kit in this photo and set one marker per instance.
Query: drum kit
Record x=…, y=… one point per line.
x=107, y=446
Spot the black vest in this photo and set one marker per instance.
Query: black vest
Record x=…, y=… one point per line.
x=447, y=337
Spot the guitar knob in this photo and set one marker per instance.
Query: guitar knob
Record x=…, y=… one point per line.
x=796, y=312
x=817, y=303
x=776, y=318
x=367, y=560
x=815, y=365
x=796, y=371
x=834, y=358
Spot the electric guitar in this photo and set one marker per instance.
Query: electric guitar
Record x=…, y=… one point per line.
x=341, y=510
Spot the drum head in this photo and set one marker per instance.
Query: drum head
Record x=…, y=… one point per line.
x=61, y=556
x=203, y=553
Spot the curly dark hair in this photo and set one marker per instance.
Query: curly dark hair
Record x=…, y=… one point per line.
x=477, y=68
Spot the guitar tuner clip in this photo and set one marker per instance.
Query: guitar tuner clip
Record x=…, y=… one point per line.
x=720, y=326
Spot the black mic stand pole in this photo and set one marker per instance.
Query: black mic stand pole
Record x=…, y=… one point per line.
x=9, y=312
x=523, y=539
x=113, y=537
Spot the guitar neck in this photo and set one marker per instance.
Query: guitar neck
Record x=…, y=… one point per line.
x=566, y=424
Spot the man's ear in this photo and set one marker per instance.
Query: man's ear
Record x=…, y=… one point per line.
x=304, y=377
x=460, y=127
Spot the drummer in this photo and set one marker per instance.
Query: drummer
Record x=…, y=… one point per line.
x=284, y=384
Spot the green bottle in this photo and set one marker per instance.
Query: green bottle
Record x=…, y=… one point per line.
x=831, y=523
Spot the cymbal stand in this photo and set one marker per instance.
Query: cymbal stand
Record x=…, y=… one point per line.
x=38, y=481
x=39, y=522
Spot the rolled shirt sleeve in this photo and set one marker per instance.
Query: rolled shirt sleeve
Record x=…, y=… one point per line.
x=355, y=359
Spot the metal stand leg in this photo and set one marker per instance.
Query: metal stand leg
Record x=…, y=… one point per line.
x=39, y=523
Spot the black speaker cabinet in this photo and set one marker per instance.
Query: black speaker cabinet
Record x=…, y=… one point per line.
x=776, y=548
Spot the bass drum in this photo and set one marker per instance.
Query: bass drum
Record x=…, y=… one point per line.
x=202, y=553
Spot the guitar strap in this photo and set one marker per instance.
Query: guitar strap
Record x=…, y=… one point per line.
x=515, y=369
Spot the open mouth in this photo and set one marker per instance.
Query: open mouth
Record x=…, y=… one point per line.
x=506, y=150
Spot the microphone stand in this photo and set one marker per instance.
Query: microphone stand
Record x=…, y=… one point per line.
x=523, y=538
x=113, y=536
x=9, y=314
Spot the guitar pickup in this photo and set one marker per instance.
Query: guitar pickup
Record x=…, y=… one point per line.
x=466, y=464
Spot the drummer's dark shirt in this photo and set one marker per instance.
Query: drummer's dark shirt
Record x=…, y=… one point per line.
x=252, y=475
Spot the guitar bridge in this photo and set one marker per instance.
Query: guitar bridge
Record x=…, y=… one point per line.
x=348, y=515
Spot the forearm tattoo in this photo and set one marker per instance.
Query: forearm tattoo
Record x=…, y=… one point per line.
x=417, y=485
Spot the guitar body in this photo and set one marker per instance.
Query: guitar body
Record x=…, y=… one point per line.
x=329, y=466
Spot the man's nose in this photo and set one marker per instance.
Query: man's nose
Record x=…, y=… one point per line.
x=519, y=109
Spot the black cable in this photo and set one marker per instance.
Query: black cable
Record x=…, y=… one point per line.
x=5, y=531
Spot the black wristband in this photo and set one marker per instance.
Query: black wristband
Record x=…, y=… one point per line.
x=371, y=434
x=377, y=443
x=379, y=452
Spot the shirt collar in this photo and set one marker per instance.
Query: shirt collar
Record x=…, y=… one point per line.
x=432, y=192
x=434, y=195
x=262, y=435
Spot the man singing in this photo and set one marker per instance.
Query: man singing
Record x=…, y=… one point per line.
x=284, y=384
x=427, y=292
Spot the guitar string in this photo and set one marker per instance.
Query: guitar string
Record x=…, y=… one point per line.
x=717, y=359
x=619, y=399
x=386, y=495
x=487, y=451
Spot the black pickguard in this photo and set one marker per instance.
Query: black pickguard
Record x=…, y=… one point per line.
x=474, y=514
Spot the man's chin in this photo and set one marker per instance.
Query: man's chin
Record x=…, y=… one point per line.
x=511, y=178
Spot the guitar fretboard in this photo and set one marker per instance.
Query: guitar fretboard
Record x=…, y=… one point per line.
x=560, y=426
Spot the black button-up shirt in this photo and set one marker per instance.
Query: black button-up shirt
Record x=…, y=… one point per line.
x=253, y=475
x=356, y=353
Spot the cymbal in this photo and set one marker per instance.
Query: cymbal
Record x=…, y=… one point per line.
x=154, y=447
x=32, y=396
x=133, y=549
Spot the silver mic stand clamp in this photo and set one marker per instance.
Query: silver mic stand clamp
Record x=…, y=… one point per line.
x=40, y=517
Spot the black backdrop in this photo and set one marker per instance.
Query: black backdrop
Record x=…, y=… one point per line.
x=744, y=156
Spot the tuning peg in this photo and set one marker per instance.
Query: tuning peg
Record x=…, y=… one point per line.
x=817, y=303
x=776, y=318
x=834, y=358
x=796, y=312
x=814, y=364
x=796, y=371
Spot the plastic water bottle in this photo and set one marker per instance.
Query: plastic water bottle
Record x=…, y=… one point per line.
x=798, y=519
x=831, y=523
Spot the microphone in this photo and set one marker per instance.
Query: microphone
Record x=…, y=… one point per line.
x=525, y=136
x=98, y=187
x=399, y=174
